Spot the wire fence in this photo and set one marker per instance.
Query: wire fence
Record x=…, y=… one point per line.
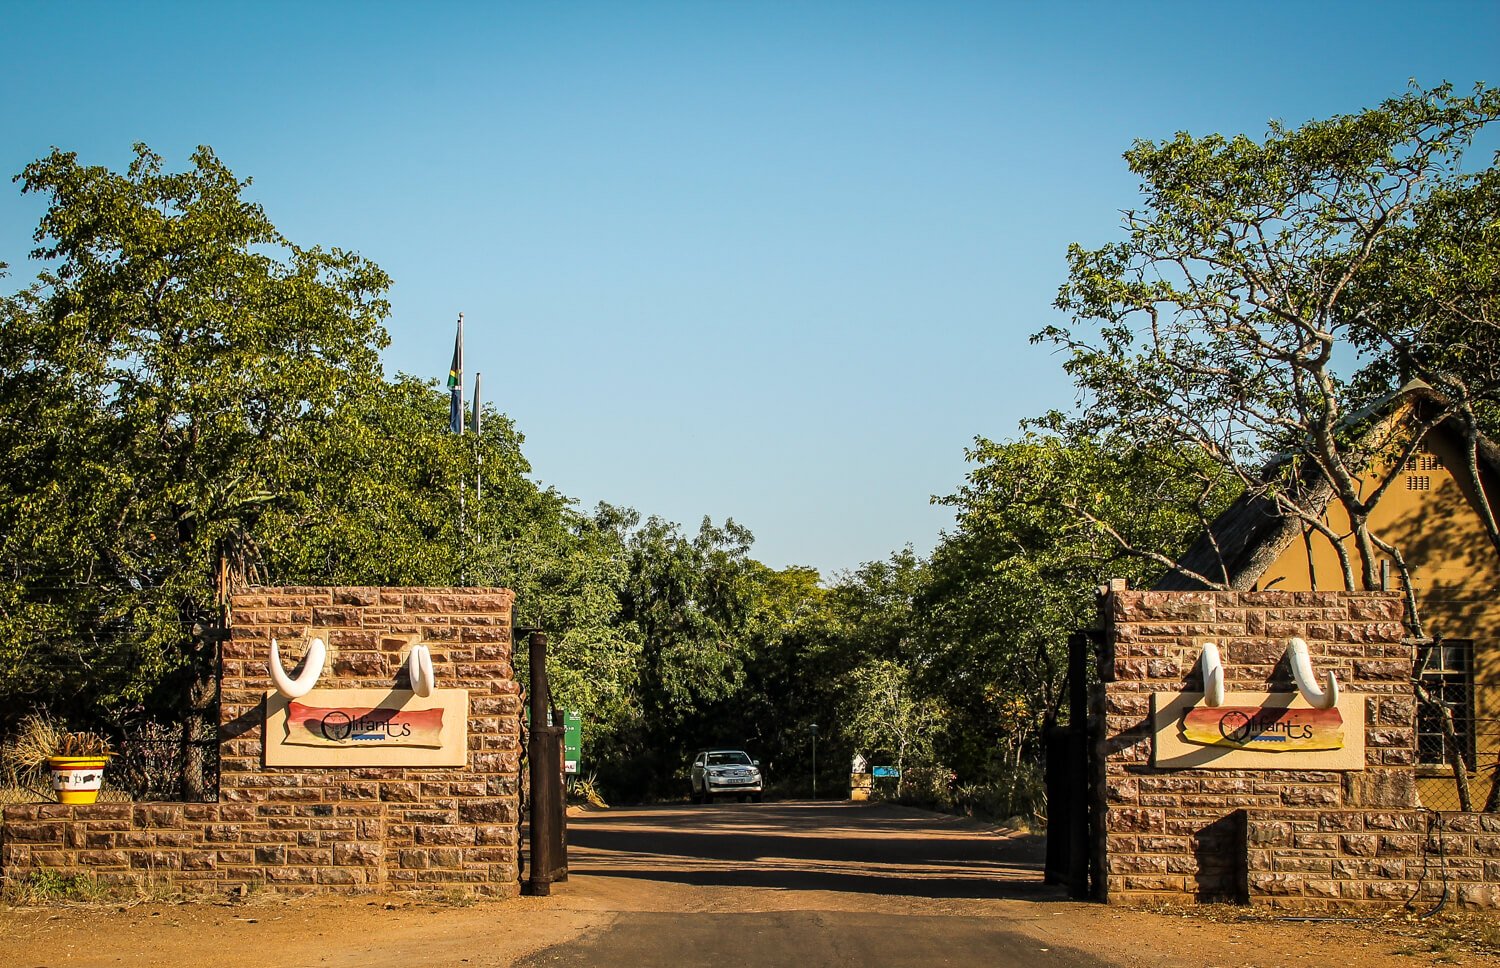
x=1458, y=733
x=154, y=763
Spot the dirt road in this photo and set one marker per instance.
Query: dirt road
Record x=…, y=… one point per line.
x=727, y=884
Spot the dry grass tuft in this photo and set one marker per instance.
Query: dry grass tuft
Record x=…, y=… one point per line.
x=1449, y=934
x=23, y=757
x=587, y=790
x=38, y=737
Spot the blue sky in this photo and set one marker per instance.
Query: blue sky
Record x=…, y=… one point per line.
x=772, y=261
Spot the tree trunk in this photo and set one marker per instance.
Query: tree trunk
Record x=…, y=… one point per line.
x=1492, y=802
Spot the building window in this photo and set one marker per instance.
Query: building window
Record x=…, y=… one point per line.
x=1449, y=678
x=1422, y=462
x=1418, y=482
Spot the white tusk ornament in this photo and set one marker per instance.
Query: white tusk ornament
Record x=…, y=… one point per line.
x=419, y=670
x=1307, y=683
x=317, y=654
x=1213, y=675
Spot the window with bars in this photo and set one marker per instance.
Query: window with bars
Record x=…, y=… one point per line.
x=1449, y=678
x=1418, y=482
x=1422, y=462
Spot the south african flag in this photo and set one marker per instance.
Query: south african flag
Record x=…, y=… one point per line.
x=456, y=382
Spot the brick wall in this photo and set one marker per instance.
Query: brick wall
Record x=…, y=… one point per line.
x=1297, y=839
x=325, y=829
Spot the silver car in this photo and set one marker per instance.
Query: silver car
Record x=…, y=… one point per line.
x=731, y=772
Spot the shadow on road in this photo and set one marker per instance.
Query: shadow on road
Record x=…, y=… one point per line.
x=857, y=848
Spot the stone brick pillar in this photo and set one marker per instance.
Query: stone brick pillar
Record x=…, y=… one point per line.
x=1298, y=839
x=377, y=827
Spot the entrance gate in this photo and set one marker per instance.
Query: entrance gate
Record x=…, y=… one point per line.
x=1072, y=776
x=549, y=808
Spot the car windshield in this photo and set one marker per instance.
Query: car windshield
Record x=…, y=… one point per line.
x=727, y=759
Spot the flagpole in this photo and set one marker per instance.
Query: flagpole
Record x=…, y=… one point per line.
x=456, y=420
x=476, y=424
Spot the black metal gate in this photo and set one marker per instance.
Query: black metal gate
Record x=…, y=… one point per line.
x=549, y=808
x=1071, y=778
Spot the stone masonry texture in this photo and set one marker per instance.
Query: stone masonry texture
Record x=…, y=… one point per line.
x=1307, y=841
x=320, y=830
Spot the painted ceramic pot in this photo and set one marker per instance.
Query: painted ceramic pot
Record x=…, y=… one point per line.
x=76, y=779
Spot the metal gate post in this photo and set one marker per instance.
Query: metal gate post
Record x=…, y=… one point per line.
x=549, y=819
x=1077, y=782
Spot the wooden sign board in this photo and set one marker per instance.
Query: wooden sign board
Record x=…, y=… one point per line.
x=368, y=727
x=1256, y=731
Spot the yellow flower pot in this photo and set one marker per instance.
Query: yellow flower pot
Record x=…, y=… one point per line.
x=76, y=779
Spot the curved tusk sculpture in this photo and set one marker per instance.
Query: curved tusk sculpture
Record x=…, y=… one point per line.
x=1213, y=675
x=312, y=668
x=1307, y=683
x=419, y=670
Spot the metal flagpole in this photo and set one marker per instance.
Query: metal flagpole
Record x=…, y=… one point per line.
x=456, y=418
x=475, y=424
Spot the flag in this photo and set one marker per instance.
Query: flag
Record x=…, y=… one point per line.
x=474, y=419
x=456, y=382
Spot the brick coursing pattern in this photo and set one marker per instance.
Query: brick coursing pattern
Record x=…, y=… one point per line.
x=1302, y=840
x=323, y=830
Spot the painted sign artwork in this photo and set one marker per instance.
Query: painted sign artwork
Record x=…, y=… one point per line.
x=1262, y=728
x=369, y=726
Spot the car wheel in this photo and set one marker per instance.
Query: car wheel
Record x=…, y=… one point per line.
x=744, y=798
x=695, y=796
x=756, y=797
x=707, y=797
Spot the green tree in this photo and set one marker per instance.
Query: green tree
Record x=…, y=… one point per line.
x=1041, y=522
x=686, y=602
x=791, y=678
x=872, y=660
x=888, y=715
x=1233, y=315
x=163, y=382
x=1269, y=292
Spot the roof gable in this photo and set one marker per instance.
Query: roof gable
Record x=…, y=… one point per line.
x=1249, y=537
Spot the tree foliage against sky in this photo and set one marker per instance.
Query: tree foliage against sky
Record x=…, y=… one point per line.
x=1041, y=523
x=1267, y=290
x=1272, y=296
x=191, y=402
x=165, y=383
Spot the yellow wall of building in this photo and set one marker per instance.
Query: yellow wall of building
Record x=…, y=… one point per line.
x=1428, y=516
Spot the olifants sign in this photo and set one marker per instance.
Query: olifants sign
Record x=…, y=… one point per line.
x=419, y=726
x=1313, y=728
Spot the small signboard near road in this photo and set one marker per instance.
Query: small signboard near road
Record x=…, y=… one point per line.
x=572, y=738
x=886, y=771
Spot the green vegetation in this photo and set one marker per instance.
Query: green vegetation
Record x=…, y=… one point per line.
x=1267, y=292
x=46, y=886
x=190, y=403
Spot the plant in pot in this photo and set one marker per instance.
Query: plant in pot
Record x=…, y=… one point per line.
x=43, y=748
x=78, y=767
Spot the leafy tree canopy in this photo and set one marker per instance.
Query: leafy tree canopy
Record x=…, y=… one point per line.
x=162, y=385
x=1266, y=290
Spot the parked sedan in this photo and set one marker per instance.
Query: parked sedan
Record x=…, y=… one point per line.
x=730, y=772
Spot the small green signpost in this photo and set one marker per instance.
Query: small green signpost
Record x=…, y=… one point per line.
x=572, y=738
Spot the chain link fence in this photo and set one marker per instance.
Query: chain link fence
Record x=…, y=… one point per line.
x=155, y=763
x=1458, y=732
